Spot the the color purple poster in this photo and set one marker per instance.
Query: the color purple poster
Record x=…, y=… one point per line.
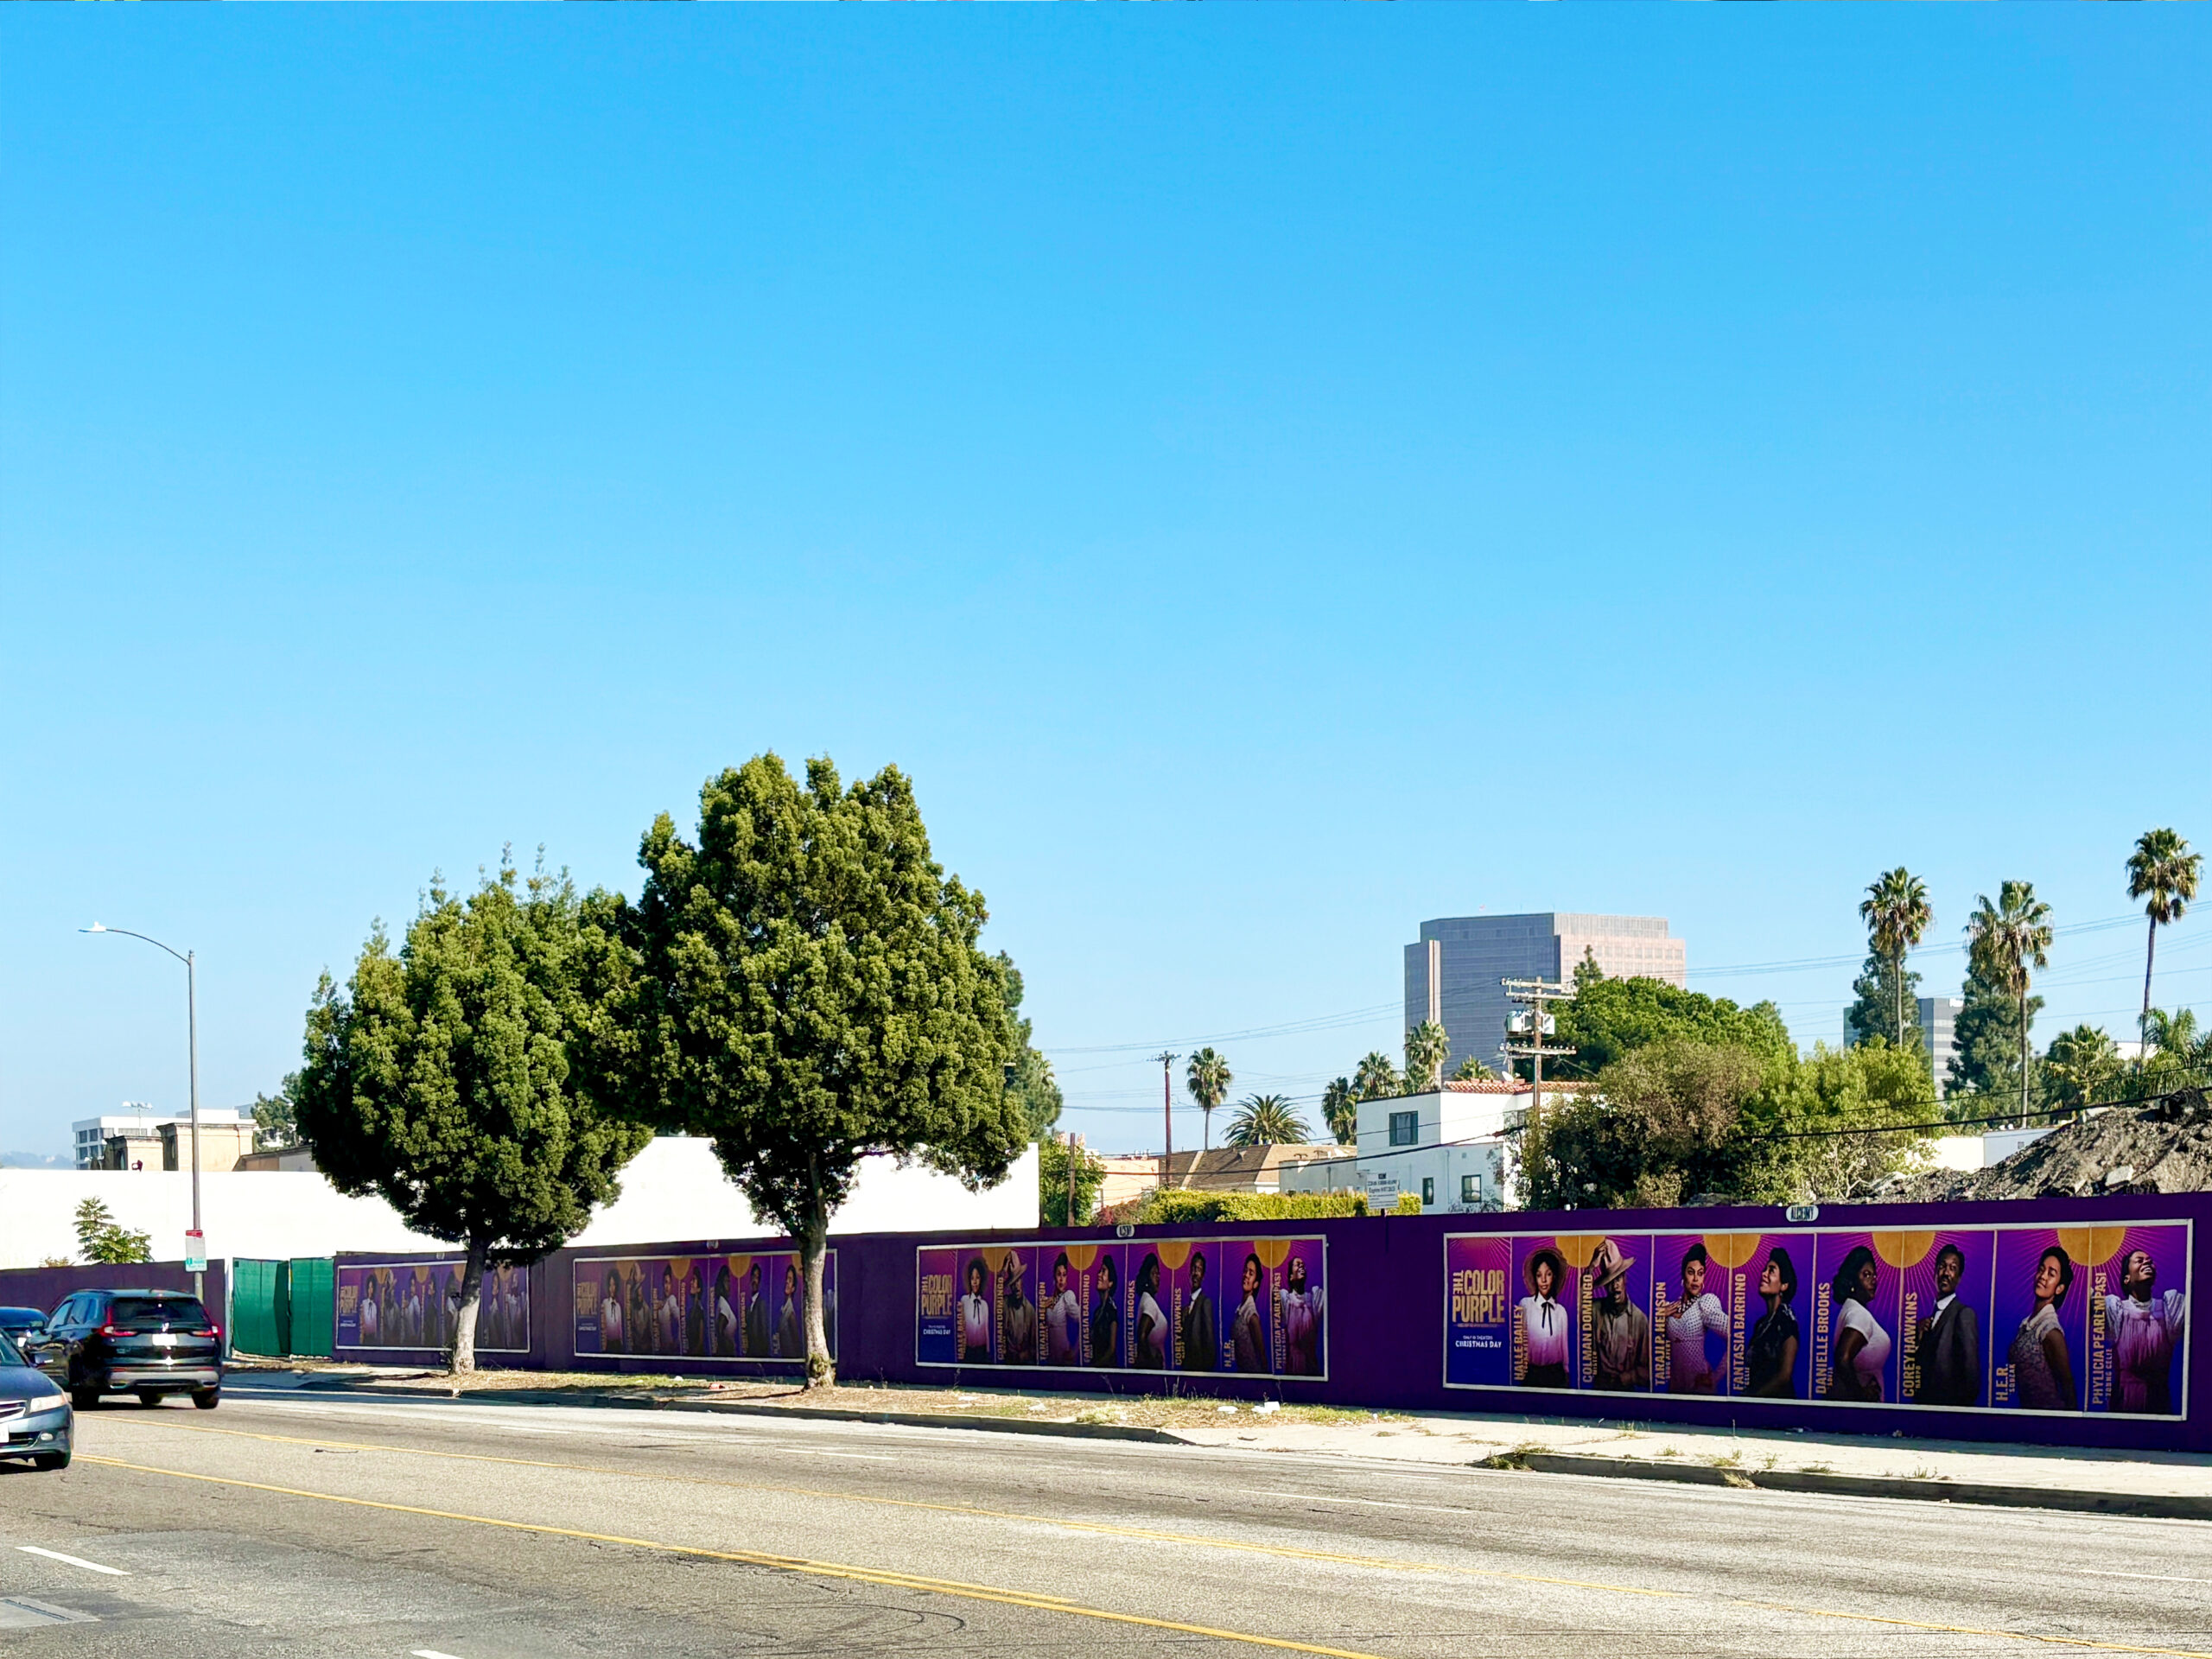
x=2137, y=1313
x=1943, y=1316
x=412, y=1306
x=2039, y=1319
x=1546, y=1332
x=1690, y=1319
x=1479, y=1340
x=1855, y=1304
x=1765, y=1281
x=750, y=1307
x=1248, y=1305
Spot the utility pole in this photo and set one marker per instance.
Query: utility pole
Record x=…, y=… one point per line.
x=1075, y=1147
x=1166, y=1112
x=1532, y=994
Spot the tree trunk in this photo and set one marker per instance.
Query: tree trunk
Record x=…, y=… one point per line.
x=1897, y=972
x=2024, y=1055
x=2149, y=954
x=813, y=1236
x=464, y=1319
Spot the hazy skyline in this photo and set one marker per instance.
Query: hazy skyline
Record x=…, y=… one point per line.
x=1271, y=477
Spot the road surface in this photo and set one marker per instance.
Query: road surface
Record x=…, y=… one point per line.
x=292, y=1523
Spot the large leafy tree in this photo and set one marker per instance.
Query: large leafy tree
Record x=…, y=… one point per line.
x=276, y=1117
x=1061, y=1166
x=1662, y=1126
x=459, y=1078
x=1896, y=916
x=1606, y=1020
x=1813, y=1133
x=1426, y=1049
x=1033, y=1084
x=1208, y=1077
x=2163, y=873
x=1266, y=1121
x=1878, y=999
x=810, y=992
x=2006, y=942
x=1986, y=1037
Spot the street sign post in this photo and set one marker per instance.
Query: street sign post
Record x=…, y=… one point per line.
x=195, y=1251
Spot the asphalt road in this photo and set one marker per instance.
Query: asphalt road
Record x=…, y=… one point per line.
x=294, y=1524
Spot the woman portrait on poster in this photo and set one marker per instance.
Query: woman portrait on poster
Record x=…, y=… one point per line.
x=610, y=1314
x=371, y=1321
x=1151, y=1323
x=791, y=1339
x=639, y=1326
x=2144, y=1327
x=1247, y=1340
x=1695, y=1315
x=723, y=1313
x=1106, y=1316
x=1772, y=1355
x=975, y=1314
x=1858, y=1348
x=2042, y=1371
x=1544, y=1338
x=1063, y=1316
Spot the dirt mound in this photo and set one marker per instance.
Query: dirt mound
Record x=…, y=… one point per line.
x=2165, y=1146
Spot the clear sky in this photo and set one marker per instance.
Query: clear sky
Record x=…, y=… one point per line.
x=1271, y=475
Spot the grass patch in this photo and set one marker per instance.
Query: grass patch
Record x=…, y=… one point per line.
x=1514, y=1457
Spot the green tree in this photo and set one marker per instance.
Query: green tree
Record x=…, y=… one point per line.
x=1607, y=1020
x=1896, y=916
x=1876, y=998
x=1472, y=1070
x=1266, y=1121
x=1586, y=971
x=458, y=1080
x=1033, y=1085
x=1661, y=1126
x=2004, y=942
x=1377, y=1079
x=1810, y=1135
x=1986, y=1036
x=2083, y=1067
x=1340, y=1110
x=101, y=1239
x=276, y=1117
x=1208, y=1077
x=2175, y=1049
x=2163, y=873
x=810, y=992
x=1426, y=1049
x=1054, y=1157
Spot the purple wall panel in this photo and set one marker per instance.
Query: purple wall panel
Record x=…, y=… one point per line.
x=41, y=1287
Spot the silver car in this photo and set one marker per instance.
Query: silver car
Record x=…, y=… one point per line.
x=36, y=1421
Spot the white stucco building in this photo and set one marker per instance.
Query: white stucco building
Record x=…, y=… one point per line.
x=1449, y=1148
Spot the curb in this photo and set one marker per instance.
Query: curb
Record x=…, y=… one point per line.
x=2151, y=1505
x=748, y=1408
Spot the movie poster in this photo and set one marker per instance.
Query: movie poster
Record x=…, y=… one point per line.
x=2137, y=1308
x=1246, y=1305
x=2040, y=1319
x=1943, y=1315
x=1479, y=1328
x=413, y=1306
x=1765, y=1281
x=1855, y=1307
x=1546, y=1331
x=1691, y=1327
x=748, y=1306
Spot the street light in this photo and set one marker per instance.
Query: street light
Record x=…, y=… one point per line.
x=192, y=1035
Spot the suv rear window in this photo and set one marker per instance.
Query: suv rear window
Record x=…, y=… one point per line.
x=157, y=1313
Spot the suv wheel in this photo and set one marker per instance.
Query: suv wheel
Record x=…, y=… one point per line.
x=207, y=1399
x=84, y=1399
x=51, y=1460
x=149, y=1398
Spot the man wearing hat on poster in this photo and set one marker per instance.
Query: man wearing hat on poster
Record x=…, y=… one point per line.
x=1620, y=1332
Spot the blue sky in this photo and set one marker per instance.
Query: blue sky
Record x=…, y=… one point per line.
x=1271, y=475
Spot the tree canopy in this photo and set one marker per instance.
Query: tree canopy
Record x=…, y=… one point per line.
x=1033, y=1085
x=1266, y=1121
x=458, y=1078
x=1877, y=998
x=810, y=991
x=1426, y=1049
x=1607, y=1020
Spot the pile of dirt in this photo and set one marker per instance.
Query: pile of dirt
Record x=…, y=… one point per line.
x=2163, y=1146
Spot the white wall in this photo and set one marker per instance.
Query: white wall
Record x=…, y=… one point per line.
x=673, y=1190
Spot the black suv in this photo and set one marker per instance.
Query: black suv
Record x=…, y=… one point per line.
x=149, y=1343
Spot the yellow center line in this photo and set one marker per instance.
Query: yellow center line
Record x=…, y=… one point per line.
x=1034, y=1601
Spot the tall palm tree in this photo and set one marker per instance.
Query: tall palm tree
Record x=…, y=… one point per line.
x=2163, y=872
x=1377, y=1079
x=1266, y=1121
x=2085, y=1061
x=1896, y=916
x=2006, y=940
x=1208, y=1078
x=1340, y=1110
x=1426, y=1049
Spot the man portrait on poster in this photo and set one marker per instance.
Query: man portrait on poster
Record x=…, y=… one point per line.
x=1201, y=1323
x=1949, y=1341
x=1620, y=1332
x=1017, y=1317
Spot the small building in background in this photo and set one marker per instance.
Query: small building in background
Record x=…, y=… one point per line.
x=1451, y=1148
x=137, y=1122
x=1938, y=1017
x=1224, y=1169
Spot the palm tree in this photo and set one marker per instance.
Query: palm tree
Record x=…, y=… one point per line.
x=1472, y=1070
x=1340, y=1110
x=1376, y=1078
x=2163, y=871
x=1266, y=1121
x=1896, y=916
x=2004, y=940
x=2174, y=1043
x=1426, y=1049
x=2085, y=1061
x=1208, y=1078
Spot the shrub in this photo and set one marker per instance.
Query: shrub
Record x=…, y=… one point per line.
x=1172, y=1206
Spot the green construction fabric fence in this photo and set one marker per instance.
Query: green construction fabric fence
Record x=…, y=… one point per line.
x=283, y=1309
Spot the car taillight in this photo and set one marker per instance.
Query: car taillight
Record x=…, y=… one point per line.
x=209, y=1331
x=108, y=1330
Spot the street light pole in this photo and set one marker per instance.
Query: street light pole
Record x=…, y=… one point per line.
x=192, y=1041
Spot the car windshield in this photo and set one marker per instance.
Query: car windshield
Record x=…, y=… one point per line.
x=156, y=1314
x=9, y=1354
